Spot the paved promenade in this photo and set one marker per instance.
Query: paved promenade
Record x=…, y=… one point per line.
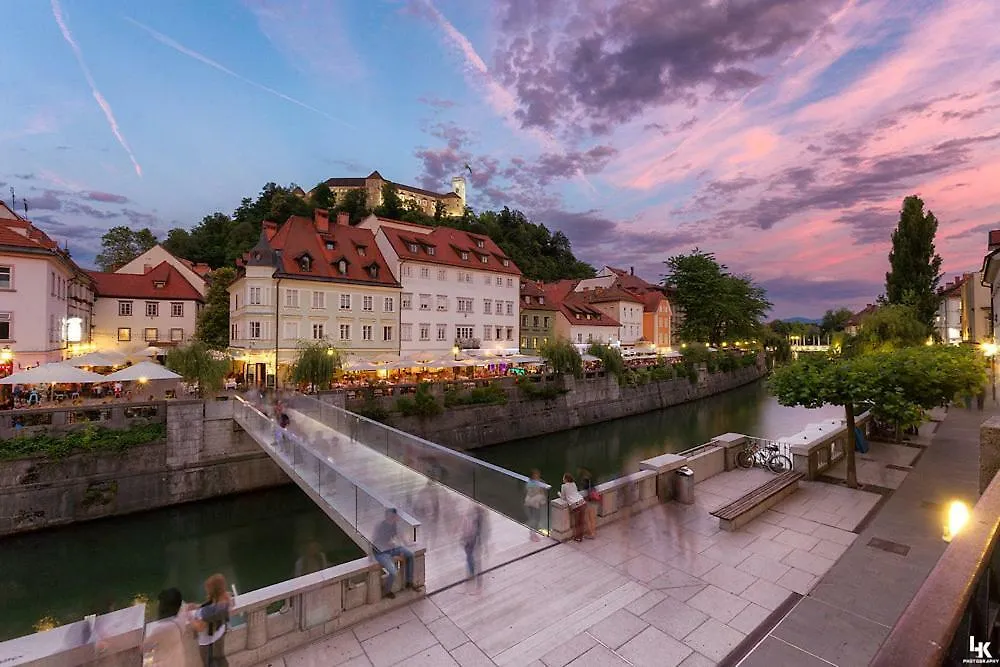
x=663, y=588
x=851, y=610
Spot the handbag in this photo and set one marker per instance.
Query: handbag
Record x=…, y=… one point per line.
x=594, y=495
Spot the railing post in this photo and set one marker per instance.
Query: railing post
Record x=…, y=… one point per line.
x=256, y=628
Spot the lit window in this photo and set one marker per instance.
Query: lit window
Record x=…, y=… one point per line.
x=151, y=335
x=480, y=243
x=124, y=309
x=124, y=334
x=484, y=259
x=506, y=262
x=176, y=335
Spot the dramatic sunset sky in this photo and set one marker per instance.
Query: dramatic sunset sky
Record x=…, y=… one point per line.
x=779, y=134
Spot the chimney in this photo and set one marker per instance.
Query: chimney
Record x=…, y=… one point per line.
x=344, y=218
x=631, y=270
x=994, y=239
x=321, y=218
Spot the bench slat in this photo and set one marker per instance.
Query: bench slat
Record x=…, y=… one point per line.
x=750, y=500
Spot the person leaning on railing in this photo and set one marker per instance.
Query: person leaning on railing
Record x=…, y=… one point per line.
x=386, y=545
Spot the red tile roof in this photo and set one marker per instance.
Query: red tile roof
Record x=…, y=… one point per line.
x=531, y=293
x=200, y=268
x=22, y=234
x=448, y=245
x=856, y=318
x=163, y=281
x=608, y=294
x=571, y=304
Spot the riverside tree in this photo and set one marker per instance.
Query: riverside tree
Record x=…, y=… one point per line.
x=914, y=265
x=562, y=357
x=213, y=321
x=888, y=328
x=196, y=362
x=717, y=305
x=316, y=364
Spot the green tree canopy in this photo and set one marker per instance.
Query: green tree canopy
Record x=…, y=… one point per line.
x=323, y=197
x=213, y=321
x=355, y=204
x=835, y=320
x=121, y=244
x=611, y=358
x=914, y=265
x=889, y=327
x=562, y=357
x=717, y=305
x=315, y=364
x=197, y=363
x=392, y=205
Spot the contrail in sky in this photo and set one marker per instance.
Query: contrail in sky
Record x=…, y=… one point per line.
x=101, y=102
x=177, y=46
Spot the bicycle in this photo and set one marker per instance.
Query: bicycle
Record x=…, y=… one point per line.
x=768, y=456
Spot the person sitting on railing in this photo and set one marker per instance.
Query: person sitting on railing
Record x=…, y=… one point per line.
x=387, y=544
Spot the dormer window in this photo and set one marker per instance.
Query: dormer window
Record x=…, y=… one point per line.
x=361, y=250
x=480, y=243
x=464, y=255
x=159, y=284
x=588, y=316
x=430, y=250
x=541, y=300
x=506, y=262
x=484, y=259
x=412, y=247
x=256, y=255
x=373, y=271
x=577, y=315
x=342, y=267
x=330, y=245
x=305, y=263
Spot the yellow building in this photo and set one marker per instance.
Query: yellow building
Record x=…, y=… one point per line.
x=427, y=201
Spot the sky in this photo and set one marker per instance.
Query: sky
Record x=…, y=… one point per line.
x=780, y=135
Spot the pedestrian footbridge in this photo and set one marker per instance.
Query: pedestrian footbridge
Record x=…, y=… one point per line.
x=354, y=468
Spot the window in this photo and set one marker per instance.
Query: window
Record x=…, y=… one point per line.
x=345, y=301
x=387, y=333
x=546, y=323
x=255, y=296
x=368, y=303
x=464, y=305
x=499, y=307
x=362, y=250
x=499, y=331
x=487, y=332
x=366, y=331
x=292, y=298
x=6, y=277
x=430, y=250
x=124, y=309
x=319, y=331
x=524, y=343
x=387, y=304
x=373, y=271
x=305, y=263
x=487, y=307
x=464, y=333
x=151, y=335
x=442, y=332
x=464, y=255
x=412, y=247
x=254, y=330
x=318, y=299
x=484, y=259
x=425, y=272
x=425, y=331
x=480, y=243
x=291, y=330
x=579, y=338
x=234, y=332
x=510, y=307
x=176, y=335
x=442, y=274
x=510, y=282
x=342, y=267
x=506, y=262
x=510, y=333
x=405, y=332
x=487, y=280
x=124, y=334
x=425, y=302
x=176, y=309
x=407, y=272
x=330, y=245
x=534, y=321
x=345, y=331
x=499, y=281
x=53, y=273
x=406, y=301
x=442, y=302
x=524, y=320
x=541, y=301
x=152, y=309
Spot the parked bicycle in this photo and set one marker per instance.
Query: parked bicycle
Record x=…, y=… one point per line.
x=767, y=455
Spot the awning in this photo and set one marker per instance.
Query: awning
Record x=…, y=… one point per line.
x=145, y=370
x=54, y=373
x=97, y=359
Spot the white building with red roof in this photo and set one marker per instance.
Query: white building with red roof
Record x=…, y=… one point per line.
x=578, y=321
x=194, y=272
x=458, y=288
x=660, y=320
x=312, y=280
x=46, y=300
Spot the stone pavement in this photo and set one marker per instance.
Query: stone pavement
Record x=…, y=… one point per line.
x=665, y=587
x=850, y=612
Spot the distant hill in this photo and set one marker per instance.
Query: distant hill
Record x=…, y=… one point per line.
x=801, y=320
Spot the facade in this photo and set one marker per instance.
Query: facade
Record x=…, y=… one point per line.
x=453, y=202
x=46, y=300
x=854, y=322
x=990, y=279
x=576, y=320
x=976, y=310
x=312, y=281
x=538, y=318
x=622, y=306
x=660, y=320
x=948, y=321
x=458, y=288
x=159, y=307
x=193, y=272
x=657, y=321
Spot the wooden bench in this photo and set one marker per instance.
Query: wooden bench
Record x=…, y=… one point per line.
x=744, y=509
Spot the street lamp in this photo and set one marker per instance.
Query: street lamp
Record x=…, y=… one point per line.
x=6, y=354
x=958, y=516
x=990, y=350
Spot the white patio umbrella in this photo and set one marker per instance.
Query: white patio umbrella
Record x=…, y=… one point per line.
x=360, y=365
x=144, y=370
x=526, y=359
x=589, y=357
x=97, y=359
x=151, y=351
x=53, y=373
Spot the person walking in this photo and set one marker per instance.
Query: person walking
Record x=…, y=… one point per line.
x=211, y=620
x=577, y=505
x=472, y=541
x=589, y=493
x=169, y=640
x=386, y=545
x=535, y=498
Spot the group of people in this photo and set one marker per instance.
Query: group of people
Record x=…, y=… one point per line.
x=582, y=498
x=189, y=635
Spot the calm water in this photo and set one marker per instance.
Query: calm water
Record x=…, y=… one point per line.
x=254, y=539
x=611, y=448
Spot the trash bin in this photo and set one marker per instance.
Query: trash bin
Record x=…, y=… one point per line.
x=684, y=485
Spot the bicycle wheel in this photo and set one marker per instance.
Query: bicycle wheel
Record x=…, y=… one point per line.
x=779, y=463
x=744, y=459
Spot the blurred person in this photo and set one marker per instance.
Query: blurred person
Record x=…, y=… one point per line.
x=428, y=504
x=169, y=641
x=535, y=499
x=586, y=486
x=313, y=560
x=473, y=538
x=211, y=620
x=387, y=544
x=577, y=505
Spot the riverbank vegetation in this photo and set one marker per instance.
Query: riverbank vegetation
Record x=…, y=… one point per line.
x=491, y=394
x=93, y=439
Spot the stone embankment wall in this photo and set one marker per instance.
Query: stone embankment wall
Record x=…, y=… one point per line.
x=588, y=401
x=205, y=455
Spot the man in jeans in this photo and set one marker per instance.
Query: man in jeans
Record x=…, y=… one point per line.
x=387, y=546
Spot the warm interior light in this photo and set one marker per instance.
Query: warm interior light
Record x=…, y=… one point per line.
x=143, y=380
x=989, y=349
x=958, y=516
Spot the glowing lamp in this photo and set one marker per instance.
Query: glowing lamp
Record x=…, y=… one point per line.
x=958, y=516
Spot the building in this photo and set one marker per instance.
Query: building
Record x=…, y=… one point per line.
x=46, y=300
x=453, y=202
x=622, y=306
x=576, y=320
x=158, y=307
x=976, y=310
x=195, y=273
x=459, y=289
x=312, y=280
x=538, y=318
x=948, y=320
x=660, y=320
x=853, y=323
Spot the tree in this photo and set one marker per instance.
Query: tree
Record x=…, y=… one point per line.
x=178, y=242
x=392, y=205
x=213, y=321
x=914, y=265
x=323, y=197
x=888, y=328
x=562, y=357
x=611, y=359
x=197, y=363
x=355, y=204
x=315, y=364
x=717, y=305
x=835, y=320
x=121, y=244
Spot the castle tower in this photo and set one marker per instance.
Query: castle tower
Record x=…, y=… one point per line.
x=458, y=187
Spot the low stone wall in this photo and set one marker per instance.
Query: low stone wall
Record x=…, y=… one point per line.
x=586, y=401
x=204, y=456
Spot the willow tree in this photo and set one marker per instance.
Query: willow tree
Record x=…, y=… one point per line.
x=315, y=364
x=562, y=357
x=611, y=359
x=199, y=363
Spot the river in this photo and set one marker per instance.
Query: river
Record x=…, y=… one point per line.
x=67, y=573
x=612, y=448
